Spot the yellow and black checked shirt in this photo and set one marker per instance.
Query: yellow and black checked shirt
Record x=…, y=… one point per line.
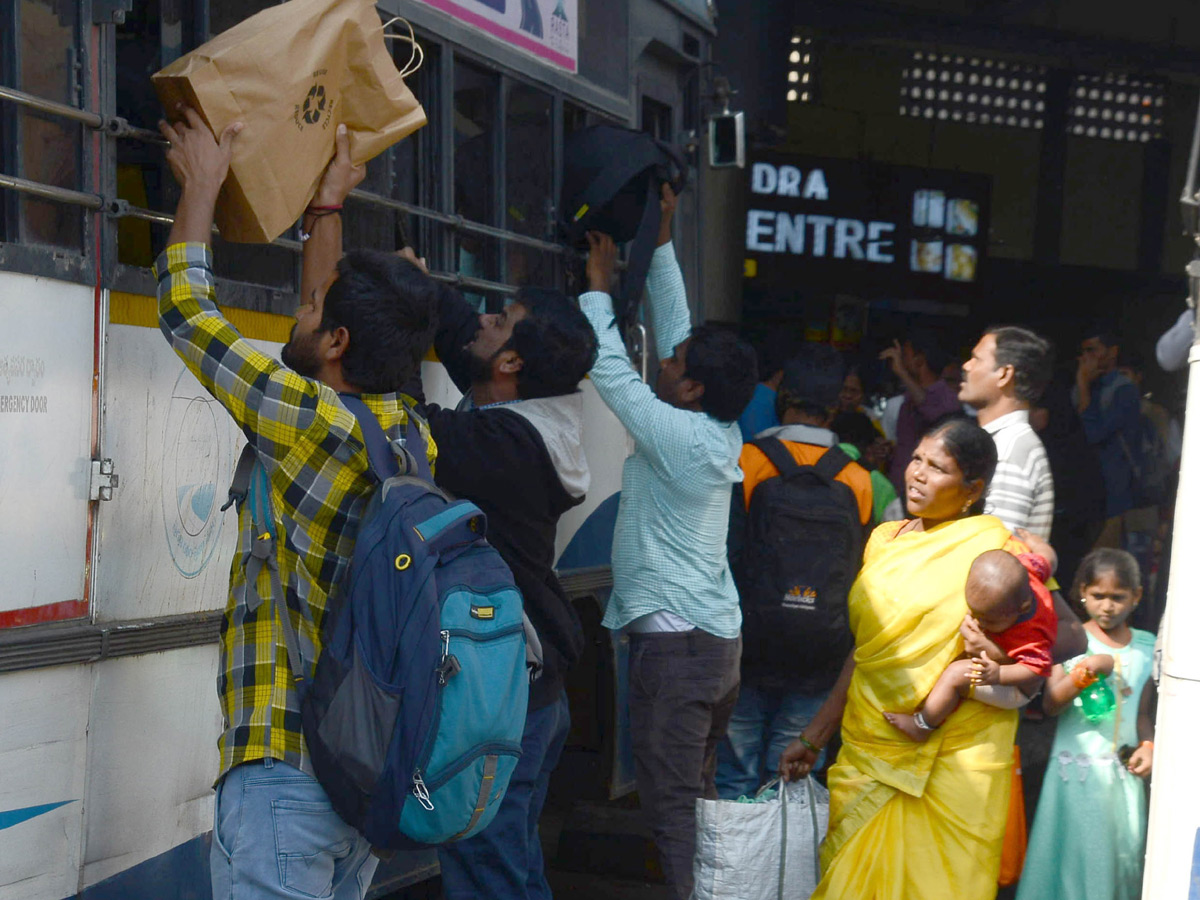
x=313, y=452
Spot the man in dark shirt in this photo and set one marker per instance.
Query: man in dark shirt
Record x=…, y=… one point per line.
x=514, y=447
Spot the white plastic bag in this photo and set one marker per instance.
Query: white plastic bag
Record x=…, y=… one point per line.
x=764, y=850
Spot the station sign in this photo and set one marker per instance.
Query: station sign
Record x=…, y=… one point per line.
x=851, y=225
x=547, y=29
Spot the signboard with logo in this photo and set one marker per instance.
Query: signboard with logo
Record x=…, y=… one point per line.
x=834, y=226
x=548, y=29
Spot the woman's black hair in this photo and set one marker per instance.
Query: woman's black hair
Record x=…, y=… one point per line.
x=972, y=448
x=1106, y=559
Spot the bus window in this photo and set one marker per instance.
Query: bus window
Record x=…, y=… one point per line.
x=402, y=173
x=656, y=119
x=475, y=105
x=49, y=147
x=528, y=184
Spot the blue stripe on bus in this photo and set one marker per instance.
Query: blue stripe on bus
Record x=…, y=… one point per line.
x=11, y=817
x=592, y=544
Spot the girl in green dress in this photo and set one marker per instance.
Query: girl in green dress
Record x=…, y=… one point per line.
x=1089, y=835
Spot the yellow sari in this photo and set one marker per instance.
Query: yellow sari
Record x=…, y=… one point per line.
x=912, y=821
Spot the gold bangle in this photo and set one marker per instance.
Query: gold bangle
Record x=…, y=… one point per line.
x=809, y=744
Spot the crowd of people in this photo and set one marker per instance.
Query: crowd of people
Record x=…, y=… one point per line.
x=787, y=567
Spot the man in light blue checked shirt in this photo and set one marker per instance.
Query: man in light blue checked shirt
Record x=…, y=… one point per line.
x=672, y=589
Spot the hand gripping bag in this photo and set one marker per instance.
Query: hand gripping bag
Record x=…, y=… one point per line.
x=292, y=73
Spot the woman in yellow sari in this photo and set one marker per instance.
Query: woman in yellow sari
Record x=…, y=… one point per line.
x=915, y=821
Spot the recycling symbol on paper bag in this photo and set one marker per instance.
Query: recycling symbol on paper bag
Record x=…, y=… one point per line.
x=314, y=104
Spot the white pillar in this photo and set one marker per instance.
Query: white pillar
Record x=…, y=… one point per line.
x=1173, y=846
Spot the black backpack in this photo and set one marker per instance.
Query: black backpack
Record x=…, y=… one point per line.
x=801, y=551
x=612, y=179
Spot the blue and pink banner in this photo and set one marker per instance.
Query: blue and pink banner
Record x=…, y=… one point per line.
x=547, y=29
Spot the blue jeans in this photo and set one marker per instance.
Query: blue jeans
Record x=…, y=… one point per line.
x=764, y=722
x=505, y=859
x=275, y=834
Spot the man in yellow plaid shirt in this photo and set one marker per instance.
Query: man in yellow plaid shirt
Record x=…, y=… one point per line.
x=363, y=326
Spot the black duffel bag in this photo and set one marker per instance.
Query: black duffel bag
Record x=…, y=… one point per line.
x=612, y=182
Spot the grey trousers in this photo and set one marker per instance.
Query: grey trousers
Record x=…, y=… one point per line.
x=682, y=690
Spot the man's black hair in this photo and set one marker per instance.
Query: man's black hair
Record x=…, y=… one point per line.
x=926, y=343
x=811, y=381
x=725, y=365
x=1030, y=355
x=555, y=341
x=388, y=306
x=855, y=428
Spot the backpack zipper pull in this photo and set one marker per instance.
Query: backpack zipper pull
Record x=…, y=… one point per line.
x=445, y=647
x=421, y=792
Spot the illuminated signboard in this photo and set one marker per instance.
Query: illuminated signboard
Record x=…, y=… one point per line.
x=855, y=226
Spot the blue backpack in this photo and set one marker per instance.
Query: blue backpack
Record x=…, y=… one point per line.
x=414, y=714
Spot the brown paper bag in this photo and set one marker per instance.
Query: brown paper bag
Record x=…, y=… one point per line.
x=291, y=73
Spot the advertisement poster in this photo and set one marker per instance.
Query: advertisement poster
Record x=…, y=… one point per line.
x=549, y=29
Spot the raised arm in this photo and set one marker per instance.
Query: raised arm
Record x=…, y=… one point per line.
x=656, y=426
x=322, y=221
x=666, y=300
x=271, y=404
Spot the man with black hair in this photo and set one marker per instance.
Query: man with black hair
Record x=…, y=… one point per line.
x=514, y=447
x=1006, y=374
x=918, y=363
x=1110, y=410
x=362, y=328
x=775, y=702
x=672, y=589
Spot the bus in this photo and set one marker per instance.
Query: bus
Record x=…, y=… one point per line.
x=113, y=548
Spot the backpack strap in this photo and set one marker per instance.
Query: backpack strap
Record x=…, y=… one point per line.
x=780, y=457
x=461, y=522
x=383, y=455
x=250, y=483
x=239, y=487
x=832, y=462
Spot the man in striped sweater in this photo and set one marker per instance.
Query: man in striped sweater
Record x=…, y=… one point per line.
x=1007, y=372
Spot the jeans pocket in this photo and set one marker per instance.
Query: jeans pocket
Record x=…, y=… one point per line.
x=310, y=838
x=224, y=832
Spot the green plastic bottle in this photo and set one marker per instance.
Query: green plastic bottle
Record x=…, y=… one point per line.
x=1098, y=700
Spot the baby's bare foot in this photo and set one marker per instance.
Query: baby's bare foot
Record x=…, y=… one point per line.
x=906, y=723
